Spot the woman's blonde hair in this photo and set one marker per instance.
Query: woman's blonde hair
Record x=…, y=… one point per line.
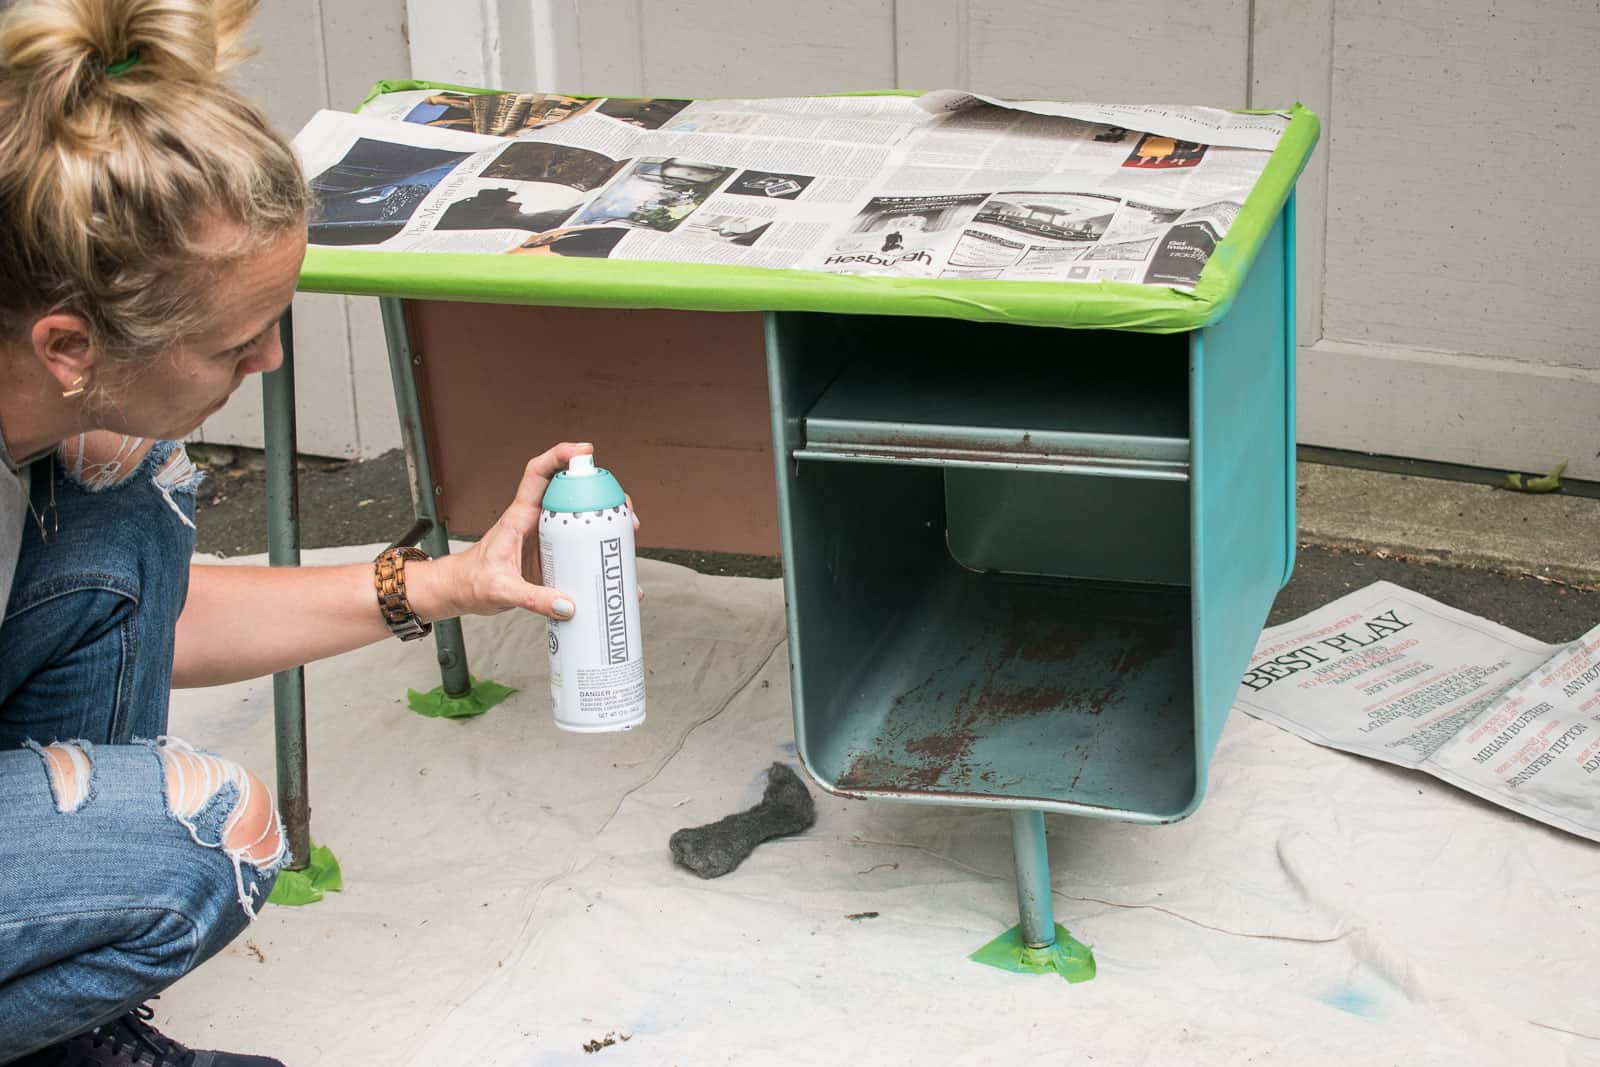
x=120, y=148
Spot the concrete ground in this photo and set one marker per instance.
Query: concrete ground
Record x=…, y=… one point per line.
x=1552, y=535
x=1530, y=562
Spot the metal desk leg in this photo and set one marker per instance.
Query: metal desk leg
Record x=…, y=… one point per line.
x=447, y=636
x=283, y=550
x=1033, y=879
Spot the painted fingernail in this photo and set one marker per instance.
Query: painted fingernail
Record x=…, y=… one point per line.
x=563, y=607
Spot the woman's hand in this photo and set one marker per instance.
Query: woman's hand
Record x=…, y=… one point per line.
x=489, y=577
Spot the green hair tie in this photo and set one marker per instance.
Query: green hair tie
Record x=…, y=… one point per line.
x=122, y=66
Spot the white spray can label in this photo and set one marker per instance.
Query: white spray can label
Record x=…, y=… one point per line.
x=586, y=551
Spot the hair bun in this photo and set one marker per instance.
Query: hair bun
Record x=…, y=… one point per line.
x=56, y=54
x=132, y=176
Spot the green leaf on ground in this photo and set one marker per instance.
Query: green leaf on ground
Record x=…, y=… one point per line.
x=1527, y=483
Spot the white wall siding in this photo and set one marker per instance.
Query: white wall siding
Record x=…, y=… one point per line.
x=1460, y=318
x=1461, y=214
x=736, y=49
x=1291, y=61
x=1147, y=50
x=313, y=54
x=457, y=42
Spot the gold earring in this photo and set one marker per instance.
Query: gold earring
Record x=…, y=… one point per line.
x=76, y=390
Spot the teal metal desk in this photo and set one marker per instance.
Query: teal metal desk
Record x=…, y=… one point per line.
x=1024, y=568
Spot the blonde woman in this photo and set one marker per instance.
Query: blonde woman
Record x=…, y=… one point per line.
x=151, y=231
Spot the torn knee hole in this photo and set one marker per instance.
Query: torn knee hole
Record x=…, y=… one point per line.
x=71, y=774
x=252, y=831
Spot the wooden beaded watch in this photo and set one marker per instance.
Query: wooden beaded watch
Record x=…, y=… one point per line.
x=389, y=578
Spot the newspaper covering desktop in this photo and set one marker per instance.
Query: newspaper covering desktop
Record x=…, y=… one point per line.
x=945, y=185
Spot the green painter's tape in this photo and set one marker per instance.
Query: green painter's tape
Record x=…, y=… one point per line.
x=322, y=875
x=405, y=86
x=603, y=283
x=1068, y=957
x=436, y=704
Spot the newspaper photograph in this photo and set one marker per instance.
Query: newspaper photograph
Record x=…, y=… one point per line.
x=500, y=114
x=371, y=194
x=903, y=235
x=1393, y=675
x=510, y=114
x=947, y=185
x=656, y=194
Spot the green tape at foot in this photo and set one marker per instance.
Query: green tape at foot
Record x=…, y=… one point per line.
x=321, y=875
x=1068, y=957
x=435, y=704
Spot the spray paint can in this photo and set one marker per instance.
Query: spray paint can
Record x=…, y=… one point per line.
x=586, y=551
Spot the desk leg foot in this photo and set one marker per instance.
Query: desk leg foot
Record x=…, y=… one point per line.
x=1037, y=945
x=1033, y=879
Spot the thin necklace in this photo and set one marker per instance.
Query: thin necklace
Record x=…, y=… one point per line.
x=50, y=510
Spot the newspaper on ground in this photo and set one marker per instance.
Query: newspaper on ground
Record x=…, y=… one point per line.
x=1391, y=674
x=946, y=185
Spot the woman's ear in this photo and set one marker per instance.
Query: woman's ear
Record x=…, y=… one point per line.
x=61, y=345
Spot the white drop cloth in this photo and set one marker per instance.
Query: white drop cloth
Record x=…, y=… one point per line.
x=510, y=895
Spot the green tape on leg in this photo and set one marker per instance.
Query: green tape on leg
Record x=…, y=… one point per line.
x=1068, y=957
x=321, y=875
x=436, y=704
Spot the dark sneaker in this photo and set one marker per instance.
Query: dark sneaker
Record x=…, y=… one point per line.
x=132, y=1042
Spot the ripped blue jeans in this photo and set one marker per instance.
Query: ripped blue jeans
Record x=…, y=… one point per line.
x=114, y=882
